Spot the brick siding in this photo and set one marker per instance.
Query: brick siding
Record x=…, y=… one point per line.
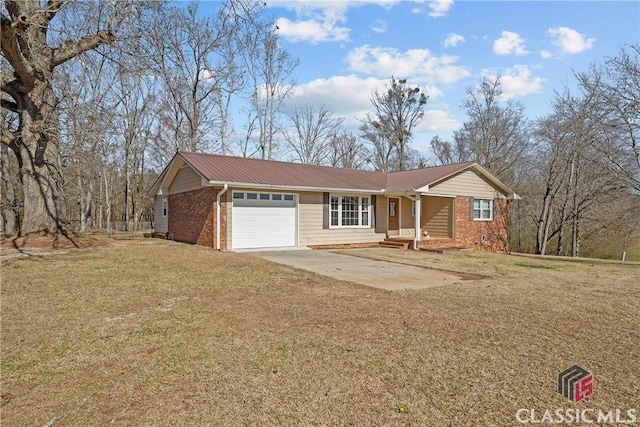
x=469, y=232
x=192, y=217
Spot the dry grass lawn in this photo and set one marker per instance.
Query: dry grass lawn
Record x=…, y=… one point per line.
x=149, y=332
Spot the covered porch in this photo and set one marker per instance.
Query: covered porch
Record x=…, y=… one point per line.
x=419, y=221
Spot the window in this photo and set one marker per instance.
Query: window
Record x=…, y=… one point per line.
x=264, y=196
x=483, y=209
x=349, y=211
x=364, y=211
x=252, y=196
x=238, y=195
x=165, y=208
x=276, y=197
x=288, y=197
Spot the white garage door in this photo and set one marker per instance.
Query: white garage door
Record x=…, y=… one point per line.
x=263, y=220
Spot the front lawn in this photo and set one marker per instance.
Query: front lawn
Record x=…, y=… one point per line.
x=150, y=332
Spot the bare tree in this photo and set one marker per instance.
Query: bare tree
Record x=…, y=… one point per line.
x=497, y=134
x=613, y=92
x=575, y=187
x=398, y=109
x=28, y=93
x=384, y=156
x=346, y=152
x=447, y=153
x=180, y=47
x=270, y=70
x=311, y=132
x=137, y=113
x=87, y=107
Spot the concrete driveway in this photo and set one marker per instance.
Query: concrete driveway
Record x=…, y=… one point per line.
x=380, y=274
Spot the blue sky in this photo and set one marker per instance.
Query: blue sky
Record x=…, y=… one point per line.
x=349, y=48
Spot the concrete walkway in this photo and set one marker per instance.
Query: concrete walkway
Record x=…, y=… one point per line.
x=380, y=274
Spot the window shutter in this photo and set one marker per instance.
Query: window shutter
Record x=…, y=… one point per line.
x=325, y=211
x=495, y=208
x=373, y=211
x=471, y=208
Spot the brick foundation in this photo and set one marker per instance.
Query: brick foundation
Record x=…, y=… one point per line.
x=192, y=217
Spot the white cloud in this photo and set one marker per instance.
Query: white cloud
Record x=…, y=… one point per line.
x=509, y=44
x=517, y=81
x=345, y=95
x=380, y=26
x=453, y=39
x=569, y=40
x=546, y=54
x=348, y=97
x=438, y=121
x=312, y=30
x=439, y=8
x=419, y=63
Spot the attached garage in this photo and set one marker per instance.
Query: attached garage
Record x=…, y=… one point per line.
x=263, y=220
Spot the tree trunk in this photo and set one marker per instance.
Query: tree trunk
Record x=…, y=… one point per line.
x=107, y=202
x=39, y=166
x=87, y=214
x=542, y=234
x=7, y=191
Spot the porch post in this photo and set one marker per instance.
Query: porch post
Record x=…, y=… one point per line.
x=418, y=205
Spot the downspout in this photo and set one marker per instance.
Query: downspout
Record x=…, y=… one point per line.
x=218, y=199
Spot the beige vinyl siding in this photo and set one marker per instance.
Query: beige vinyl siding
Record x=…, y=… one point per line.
x=186, y=180
x=382, y=212
x=160, y=224
x=310, y=231
x=468, y=183
x=436, y=217
x=407, y=220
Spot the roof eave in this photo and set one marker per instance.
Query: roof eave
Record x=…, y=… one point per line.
x=153, y=191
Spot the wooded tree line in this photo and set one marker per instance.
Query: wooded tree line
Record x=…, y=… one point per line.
x=98, y=96
x=577, y=169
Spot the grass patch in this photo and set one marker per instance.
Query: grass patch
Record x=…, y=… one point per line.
x=150, y=332
x=528, y=265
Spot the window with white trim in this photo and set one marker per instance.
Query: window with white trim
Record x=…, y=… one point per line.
x=165, y=208
x=349, y=211
x=483, y=209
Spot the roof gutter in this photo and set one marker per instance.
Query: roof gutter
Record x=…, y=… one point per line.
x=295, y=188
x=225, y=187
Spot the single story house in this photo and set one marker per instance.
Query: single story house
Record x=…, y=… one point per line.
x=232, y=203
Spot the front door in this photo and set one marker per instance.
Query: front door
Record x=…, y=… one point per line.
x=394, y=205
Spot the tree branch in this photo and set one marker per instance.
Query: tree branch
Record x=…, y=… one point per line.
x=8, y=138
x=11, y=86
x=9, y=35
x=9, y=105
x=72, y=49
x=51, y=8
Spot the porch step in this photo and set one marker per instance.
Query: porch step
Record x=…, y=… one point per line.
x=397, y=244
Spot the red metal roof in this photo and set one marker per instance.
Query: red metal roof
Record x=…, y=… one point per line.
x=241, y=170
x=248, y=171
x=408, y=180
